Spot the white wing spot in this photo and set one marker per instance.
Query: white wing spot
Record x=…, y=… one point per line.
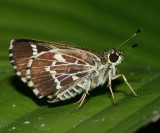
x=29, y=62
x=77, y=90
x=62, y=98
x=58, y=84
x=28, y=76
x=11, y=44
x=59, y=58
x=53, y=76
x=47, y=69
x=35, y=53
x=72, y=94
x=40, y=97
x=12, y=61
x=30, y=84
x=49, y=96
x=28, y=72
x=75, y=77
x=76, y=61
x=53, y=63
x=33, y=46
x=35, y=50
x=66, y=95
x=11, y=54
x=53, y=72
x=24, y=80
x=36, y=92
x=80, y=85
x=15, y=67
x=18, y=73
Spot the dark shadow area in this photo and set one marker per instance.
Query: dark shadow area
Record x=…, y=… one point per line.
x=116, y=83
x=150, y=128
x=25, y=90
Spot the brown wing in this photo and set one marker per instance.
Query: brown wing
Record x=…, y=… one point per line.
x=21, y=50
x=52, y=71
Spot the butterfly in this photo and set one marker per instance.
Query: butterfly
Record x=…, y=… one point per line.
x=61, y=71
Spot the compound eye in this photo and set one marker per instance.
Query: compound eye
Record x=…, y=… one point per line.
x=113, y=57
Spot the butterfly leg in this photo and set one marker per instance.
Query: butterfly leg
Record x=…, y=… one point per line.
x=110, y=88
x=121, y=75
x=80, y=99
x=83, y=97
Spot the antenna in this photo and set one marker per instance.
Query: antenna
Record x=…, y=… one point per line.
x=130, y=38
x=134, y=45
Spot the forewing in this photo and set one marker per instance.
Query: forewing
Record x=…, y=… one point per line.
x=57, y=69
x=21, y=50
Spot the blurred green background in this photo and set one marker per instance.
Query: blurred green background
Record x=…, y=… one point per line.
x=95, y=24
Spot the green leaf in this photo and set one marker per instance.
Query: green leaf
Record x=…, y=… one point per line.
x=96, y=24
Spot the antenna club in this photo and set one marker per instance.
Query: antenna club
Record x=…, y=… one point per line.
x=129, y=38
x=133, y=46
x=139, y=30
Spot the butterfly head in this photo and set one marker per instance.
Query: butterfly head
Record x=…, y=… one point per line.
x=113, y=56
